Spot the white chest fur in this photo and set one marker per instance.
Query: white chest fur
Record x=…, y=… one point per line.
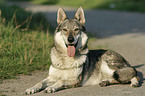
x=65, y=74
x=66, y=62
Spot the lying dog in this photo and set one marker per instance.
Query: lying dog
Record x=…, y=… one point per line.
x=74, y=65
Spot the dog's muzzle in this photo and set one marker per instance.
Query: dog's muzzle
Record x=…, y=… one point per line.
x=70, y=39
x=71, y=48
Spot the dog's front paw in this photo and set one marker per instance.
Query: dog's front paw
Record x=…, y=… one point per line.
x=31, y=91
x=50, y=90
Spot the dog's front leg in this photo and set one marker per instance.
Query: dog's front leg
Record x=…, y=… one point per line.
x=39, y=86
x=61, y=84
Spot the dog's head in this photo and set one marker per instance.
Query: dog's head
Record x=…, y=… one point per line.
x=71, y=29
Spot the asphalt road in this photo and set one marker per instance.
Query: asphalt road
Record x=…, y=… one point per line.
x=123, y=32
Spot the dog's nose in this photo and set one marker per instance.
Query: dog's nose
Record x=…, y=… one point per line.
x=70, y=39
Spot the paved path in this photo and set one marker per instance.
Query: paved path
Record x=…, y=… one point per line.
x=100, y=22
x=123, y=32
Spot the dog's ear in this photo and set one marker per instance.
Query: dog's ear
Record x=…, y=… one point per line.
x=80, y=15
x=61, y=16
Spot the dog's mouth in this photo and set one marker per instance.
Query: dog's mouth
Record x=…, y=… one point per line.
x=71, y=49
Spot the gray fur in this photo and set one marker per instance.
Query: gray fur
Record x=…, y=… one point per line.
x=86, y=67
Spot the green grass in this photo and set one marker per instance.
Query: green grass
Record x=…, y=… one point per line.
x=31, y=21
x=24, y=42
x=122, y=5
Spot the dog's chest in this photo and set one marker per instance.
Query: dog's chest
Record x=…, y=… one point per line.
x=65, y=74
x=65, y=67
x=65, y=62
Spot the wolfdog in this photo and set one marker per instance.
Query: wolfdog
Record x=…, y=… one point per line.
x=73, y=64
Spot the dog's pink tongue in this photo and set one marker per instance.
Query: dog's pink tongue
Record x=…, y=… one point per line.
x=71, y=51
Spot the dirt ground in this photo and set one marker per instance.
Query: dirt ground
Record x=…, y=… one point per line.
x=123, y=32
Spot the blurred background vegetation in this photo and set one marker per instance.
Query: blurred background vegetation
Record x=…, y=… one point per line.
x=25, y=41
x=123, y=5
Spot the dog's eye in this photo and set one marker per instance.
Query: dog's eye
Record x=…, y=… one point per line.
x=64, y=29
x=77, y=29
